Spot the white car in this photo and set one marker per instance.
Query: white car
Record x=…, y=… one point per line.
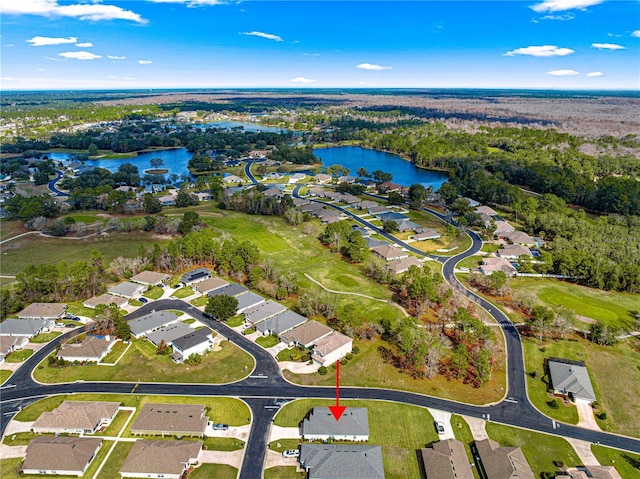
x=440, y=427
x=291, y=453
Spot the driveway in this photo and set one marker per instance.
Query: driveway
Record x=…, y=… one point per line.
x=233, y=458
x=279, y=432
x=240, y=432
x=445, y=417
x=478, y=428
x=585, y=413
x=298, y=367
x=276, y=459
x=583, y=449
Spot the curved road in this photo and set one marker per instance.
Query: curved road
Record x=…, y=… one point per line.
x=52, y=185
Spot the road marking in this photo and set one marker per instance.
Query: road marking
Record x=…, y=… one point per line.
x=515, y=401
x=9, y=386
x=259, y=376
x=553, y=423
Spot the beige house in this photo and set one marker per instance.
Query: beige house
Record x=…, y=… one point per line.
x=306, y=335
x=331, y=348
x=43, y=311
x=91, y=349
x=170, y=420
x=399, y=266
x=503, y=462
x=160, y=459
x=151, y=278
x=106, y=299
x=389, y=253
x=446, y=460
x=210, y=284
x=513, y=251
x=490, y=265
x=591, y=472
x=68, y=456
x=76, y=417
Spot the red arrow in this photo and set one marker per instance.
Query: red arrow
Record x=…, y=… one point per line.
x=337, y=410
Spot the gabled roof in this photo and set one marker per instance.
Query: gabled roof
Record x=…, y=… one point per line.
x=392, y=215
x=263, y=311
x=169, y=333
x=329, y=343
x=572, y=377
x=446, y=460
x=503, y=227
x=149, y=457
x=179, y=418
x=406, y=225
x=43, y=310
x=399, y=266
x=492, y=264
x=10, y=343
x=76, y=415
x=232, y=289
x=374, y=243
x=248, y=300
x=503, y=462
x=389, y=252
x=210, y=284
x=342, y=461
x=520, y=237
x=91, y=347
x=425, y=233
x=150, y=277
x=486, y=210
x=321, y=422
x=50, y=453
x=106, y=299
x=127, y=289
x=306, y=334
x=192, y=339
x=24, y=327
x=281, y=323
x=195, y=275
x=514, y=250
x=151, y=321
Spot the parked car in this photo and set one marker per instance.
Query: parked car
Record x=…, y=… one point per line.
x=220, y=427
x=144, y=300
x=291, y=453
x=74, y=318
x=69, y=325
x=440, y=427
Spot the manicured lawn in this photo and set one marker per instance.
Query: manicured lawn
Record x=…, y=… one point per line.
x=463, y=434
x=45, y=337
x=19, y=356
x=189, y=321
x=115, y=353
x=626, y=463
x=267, y=341
x=223, y=443
x=141, y=364
x=217, y=471
x=76, y=308
x=114, y=428
x=116, y=460
x=539, y=449
x=490, y=247
x=201, y=301
x=21, y=438
x=290, y=354
x=4, y=375
x=399, y=428
x=154, y=292
x=282, y=472
x=182, y=292
x=368, y=369
x=235, y=321
x=284, y=444
x=135, y=302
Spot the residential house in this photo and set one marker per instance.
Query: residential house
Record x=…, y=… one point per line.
x=571, y=378
x=321, y=425
x=272, y=175
x=341, y=461
x=490, y=265
x=90, y=349
x=76, y=417
x=229, y=179
x=312, y=208
x=300, y=201
x=393, y=216
x=248, y=300
x=25, y=327
x=388, y=187
x=591, y=472
x=374, y=243
x=502, y=229
x=106, y=299
x=168, y=200
x=446, y=460
x=329, y=216
x=347, y=179
x=331, y=348
x=317, y=191
x=259, y=154
x=9, y=344
x=406, y=225
x=486, y=210
x=263, y=311
x=210, y=284
x=472, y=203
x=425, y=233
x=67, y=456
x=128, y=290
x=514, y=251
x=399, y=266
x=378, y=209
x=281, y=323
x=170, y=420
x=151, y=278
x=362, y=230
x=195, y=276
x=160, y=459
x=43, y=311
x=150, y=322
x=196, y=342
x=389, y=252
x=232, y=289
x=321, y=178
x=365, y=205
x=306, y=335
x=273, y=191
x=204, y=195
x=520, y=238
x=169, y=333
x=503, y=462
x=297, y=177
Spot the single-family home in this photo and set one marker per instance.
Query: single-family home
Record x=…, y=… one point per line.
x=570, y=378
x=399, y=266
x=294, y=178
x=300, y=201
x=502, y=228
x=388, y=187
x=128, y=290
x=232, y=289
x=389, y=252
x=195, y=276
x=328, y=216
x=76, y=417
x=9, y=344
x=374, y=243
x=317, y=191
x=25, y=327
x=209, y=284
x=160, y=459
x=150, y=322
x=170, y=420
x=280, y=323
x=406, y=225
x=168, y=200
x=273, y=191
x=503, y=462
x=520, y=238
x=229, y=179
x=273, y=175
x=486, y=210
x=340, y=461
x=514, y=251
x=321, y=178
x=90, y=349
x=248, y=300
x=590, y=472
x=196, y=342
x=43, y=311
x=446, y=460
x=378, y=209
x=472, y=203
x=106, y=299
x=365, y=205
x=67, y=456
x=424, y=233
x=151, y=278
x=331, y=348
x=321, y=425
x=312, y=208
x=492, y=264
x=263, y=311
x=306, y=335
x=204, y=195
x=259, y=154
x=169, y=333
x=393, y=216
x=362, y=230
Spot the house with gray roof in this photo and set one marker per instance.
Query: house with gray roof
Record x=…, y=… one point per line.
x=503, y=462
x=406, y=225
x=446, y=460
x=25, y=327
x=169, y=333
x=306, y=335
x=43, y=311
x=374, y=243
x=280, y=323
x=392, y=216
x=196, y=342
x=571, y=378
x=150, y=322
x=106, y=299
x=67, y=456
x=170, y=420
x=194, y=276
x=151, y=278
x=321, y=425
x=90, y=349
x=9, y=344
x=76, y=417
x=341, y=461
x=128, y=290
x=263, y=311
x=232, y=289
x=248, y=300
x=160, y=459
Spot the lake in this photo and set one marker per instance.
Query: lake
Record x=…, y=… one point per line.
x=253, y=127
x=404, y=172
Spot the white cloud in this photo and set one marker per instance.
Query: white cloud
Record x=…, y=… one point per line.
x=595, y=74
x=311, y=54
x=635, y=33
x=607, y=46
x=302, y=80
x=562, y=5
x=82, y=11
x=190, y=3
x=563, y=73
x=615, y=35
x=84, y=45
x=145, y=62
x=46, y=41
x=268, y=36
x=115, y=57
x=80, y=55
x=372, y=66
x=563, y=18
x=540, y=51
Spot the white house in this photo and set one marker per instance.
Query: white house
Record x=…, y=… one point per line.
x=331, y=348
x=198, y=342
x=321, y=425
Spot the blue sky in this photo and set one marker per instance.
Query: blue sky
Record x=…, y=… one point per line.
x=105, y=44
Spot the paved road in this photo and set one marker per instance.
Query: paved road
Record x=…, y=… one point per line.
x=52, y=185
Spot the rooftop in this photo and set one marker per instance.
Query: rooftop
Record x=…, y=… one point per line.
x=51, y=453
x=24, y=327
x=91, y=347
x=210, y=284
x=342, y=461
x=306, y=334
x=572, y=377
x=248, y=300
x=150, y=277
x=127, y=289
x=503, y=462
x=151, y=321
x=232, y=289
x=76, y=415
x=149, y=457
x=329, y=343
x=167, y=418
x=321, y=422
x=195, y=275
x=169, y=333
x=192, y=339
x=43, y=310
x=281, y=323
x=263, y=311
x=389, y=252
x=446, y=460
x=105, y=299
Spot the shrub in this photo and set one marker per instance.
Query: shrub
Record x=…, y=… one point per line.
x=322, y=371
x=356, y=350
x=602, y=416
x=553, y=404
x=344, y=361
x=349, y=356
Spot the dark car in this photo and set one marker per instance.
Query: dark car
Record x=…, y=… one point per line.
x=144, y=300
x=220, y=427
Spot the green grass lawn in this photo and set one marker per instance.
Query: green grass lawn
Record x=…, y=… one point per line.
x=463, y=434
x=4, y=375
x=235, y=321
x=114, y=428
x=223, y=443
x=19, y=356
x=399, y=428
x=284, y=444
x=182, y=292
x=217, y=471
x=154, y=292
x=626, y=463
x=115, y=353
x=76, y=308
x=116, y=460
x=189, y=321
x=267, y=341
x=201, y=301
x=290, y=354
x=281, y=472
x=539, y=449
x=21, y=438
x=135, y=302
x=141, y=363
x=45, y=337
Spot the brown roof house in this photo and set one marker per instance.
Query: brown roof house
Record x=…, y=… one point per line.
x=43, y=311
x=591, y=472
x=306, y=335
x=489, y=265
x=503, y=462
x=331, y=348
x=68, y=456
x=171, y=419
x=91, y=349
x=446, y=460
x=513, y=251
x=389, y=253
x=210, y=284
x=520, y=237
x=399, y=266
x=76, y=417
x=9, y=344
x=105, y=299
x=151, y=278
x=160, y=459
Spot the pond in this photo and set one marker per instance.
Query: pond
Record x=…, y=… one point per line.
x=404, y=172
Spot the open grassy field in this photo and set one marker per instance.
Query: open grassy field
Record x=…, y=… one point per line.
x=626, y=463
x=9, y=229
x=367, y=369
x=399, y=428
x=219, y=471
x=141, y=364
x=282, y=472
x=539, y=449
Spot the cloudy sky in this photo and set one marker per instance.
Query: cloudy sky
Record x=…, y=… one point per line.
x=102, y=44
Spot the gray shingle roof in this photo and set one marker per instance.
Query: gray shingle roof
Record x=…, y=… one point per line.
x=127, y=289
x=248, y=300
x=354, y=422
x=281, y=323
x=192, y=339
x=572, y=377
x=151, y=321
x=341, y=461
x=24, y=327
x=169, y=333
x=392, y=215
x=263, y=311
x=195, y=275
x=232, y=289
